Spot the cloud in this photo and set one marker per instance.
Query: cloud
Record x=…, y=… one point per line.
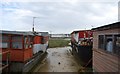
x=71, y=1
x=58, y=17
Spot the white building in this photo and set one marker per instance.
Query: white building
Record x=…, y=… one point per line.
x=60, y=35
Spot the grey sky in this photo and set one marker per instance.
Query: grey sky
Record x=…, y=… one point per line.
x=57, y=17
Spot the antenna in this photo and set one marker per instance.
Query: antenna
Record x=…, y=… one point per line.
x=33, y=25
x=33, y=29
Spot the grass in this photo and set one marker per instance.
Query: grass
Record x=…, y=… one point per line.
x=58, y=43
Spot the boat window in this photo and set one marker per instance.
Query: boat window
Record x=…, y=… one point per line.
x=4, y=42
x=28, y=42
x=17, y=42
x=117, y=43
x=17, y=38
x=109, y=43
x=5, y=38
x=17, y=45
x=25, y=42
x=101, y=42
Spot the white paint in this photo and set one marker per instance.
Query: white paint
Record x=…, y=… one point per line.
x=76, y=36
x=39, y=47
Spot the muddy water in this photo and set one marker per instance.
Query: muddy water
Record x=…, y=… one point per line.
x=58, y=60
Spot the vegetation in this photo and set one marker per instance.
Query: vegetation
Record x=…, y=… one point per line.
x=58, y=43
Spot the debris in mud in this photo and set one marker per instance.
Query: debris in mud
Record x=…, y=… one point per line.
x=54, y=53
x=59, y=63
x=73, y=64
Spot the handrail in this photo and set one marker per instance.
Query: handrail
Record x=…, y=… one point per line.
x=5, y=52
x=5, y=67
x=7, y=59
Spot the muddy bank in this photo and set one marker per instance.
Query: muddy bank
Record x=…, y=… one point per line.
x=58, y=60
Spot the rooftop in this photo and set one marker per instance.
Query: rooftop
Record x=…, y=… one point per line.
x=23, y=33
x=109, y=26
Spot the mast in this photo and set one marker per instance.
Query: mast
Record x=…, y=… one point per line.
x=33, y=25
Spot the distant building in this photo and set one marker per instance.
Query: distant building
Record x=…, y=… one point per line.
x=60, y=35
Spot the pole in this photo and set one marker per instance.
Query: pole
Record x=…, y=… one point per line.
x=33, y=24
x=33, y=29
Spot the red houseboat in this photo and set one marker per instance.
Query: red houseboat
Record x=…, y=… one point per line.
x=22, y=50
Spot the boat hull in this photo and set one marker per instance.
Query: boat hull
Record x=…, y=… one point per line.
x=83, y=54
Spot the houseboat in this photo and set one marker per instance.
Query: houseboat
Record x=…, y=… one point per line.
x=81, y=43
x=106, y=48
x=22, y=50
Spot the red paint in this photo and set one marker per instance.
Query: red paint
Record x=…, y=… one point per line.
x=23, y=54
x=27, y=54
x=85, y=34
x=37, y=39
x=17, y=55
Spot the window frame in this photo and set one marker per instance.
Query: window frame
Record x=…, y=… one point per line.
x=107, y=36
x=21, y=41
x=117, y=49
x=29, y=42
x=5, y=41
x=99, y=43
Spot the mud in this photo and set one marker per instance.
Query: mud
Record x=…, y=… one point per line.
x=58, y=60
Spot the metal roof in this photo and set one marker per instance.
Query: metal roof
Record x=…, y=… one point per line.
x=80, y=31
x=41, y=33
x=15, y=32
x=24, y=33
x=109, y=26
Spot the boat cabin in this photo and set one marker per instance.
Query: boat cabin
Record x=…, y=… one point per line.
x=106, y=48
x=19, y=49
x=19, y=44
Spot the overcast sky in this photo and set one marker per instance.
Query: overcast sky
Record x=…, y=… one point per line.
x=57, y=16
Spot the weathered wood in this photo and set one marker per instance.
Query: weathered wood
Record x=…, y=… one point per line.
x=104, y=62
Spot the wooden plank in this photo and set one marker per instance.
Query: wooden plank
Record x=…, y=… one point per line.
x=107, y=55
x=104, y=63
x=114, y=61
